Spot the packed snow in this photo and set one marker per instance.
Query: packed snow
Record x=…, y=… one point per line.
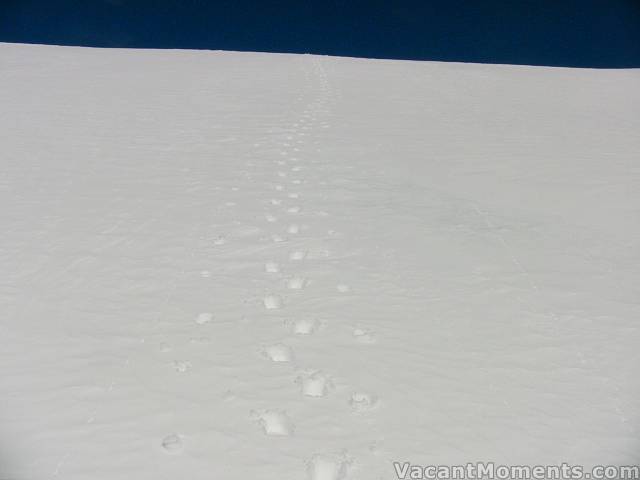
x=224, y=265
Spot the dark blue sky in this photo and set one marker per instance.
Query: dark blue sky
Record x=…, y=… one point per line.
x=586, y=33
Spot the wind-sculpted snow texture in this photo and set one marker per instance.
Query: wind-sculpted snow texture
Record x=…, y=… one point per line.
x=284, y=267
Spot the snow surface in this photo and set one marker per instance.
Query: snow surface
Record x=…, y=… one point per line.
x=260, y=266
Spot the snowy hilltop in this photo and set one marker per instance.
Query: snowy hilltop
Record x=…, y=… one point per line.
x=224, y=265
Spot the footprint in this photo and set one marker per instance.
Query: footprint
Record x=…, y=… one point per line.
x=275, y=201
x=274, y=422
x=303, y=326
x=296, y=283
x=297, y=255
x=327, y=467
x=270, y=218
x=364, y=336
x=293, y=210
x=204, y=317
x=278, y=352
x=182, y=366
x=228, y=396
x=343, y=288
x=316, y=384
x=219, y=240
x=363, y=402
x=272, y=302
x=293, y=229
x=172, y=444
x=271, y=267
x=374, y=447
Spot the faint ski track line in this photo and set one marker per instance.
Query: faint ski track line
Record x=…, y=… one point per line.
x=94, y=415
x=485, y=217
x=514, y=259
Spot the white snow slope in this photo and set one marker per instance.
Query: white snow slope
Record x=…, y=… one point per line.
x=221, y=265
